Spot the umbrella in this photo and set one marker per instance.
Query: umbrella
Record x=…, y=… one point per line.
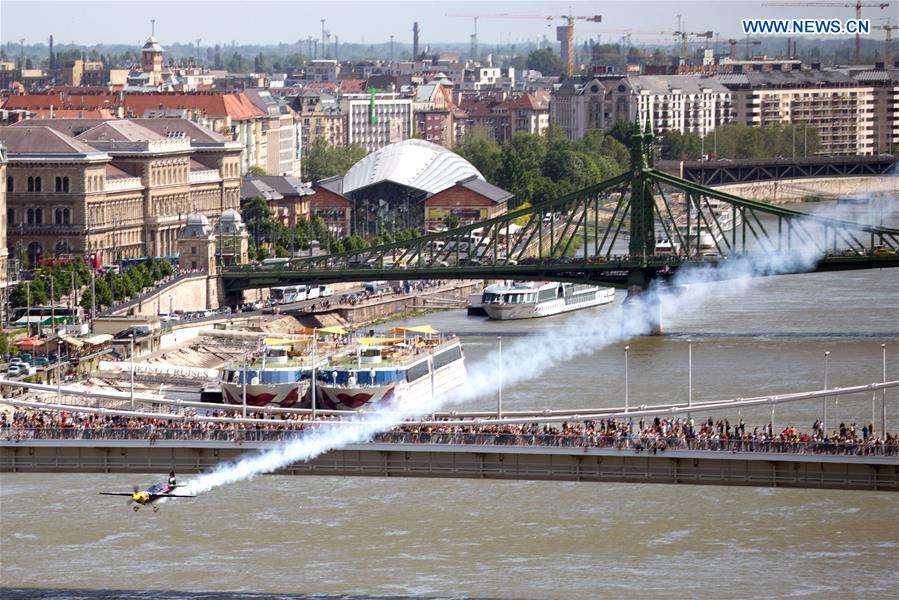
x=29, y=343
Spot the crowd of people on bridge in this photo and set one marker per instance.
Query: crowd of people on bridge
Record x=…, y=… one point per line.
x=654, y=436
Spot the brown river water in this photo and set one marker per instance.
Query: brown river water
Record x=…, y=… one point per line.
x=323, y=537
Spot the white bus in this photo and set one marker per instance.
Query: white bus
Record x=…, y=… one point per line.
x=286, y=294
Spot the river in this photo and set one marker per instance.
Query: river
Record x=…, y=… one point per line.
x=345, y=537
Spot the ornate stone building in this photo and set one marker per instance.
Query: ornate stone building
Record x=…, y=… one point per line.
x=117, y=189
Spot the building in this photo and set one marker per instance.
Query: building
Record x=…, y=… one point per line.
x=116, y=188
x=885, y=86
x=335, y=209
x=390, y=188
x=684, y=103
x=323, y=70
x=840, y=107
x=433, y=108
x=528, y=113
x=578, y=105
x=376, y=120
x=320, y=118
x=287, y=196
x=282, y=132
x=467, y=201
x=4, y=252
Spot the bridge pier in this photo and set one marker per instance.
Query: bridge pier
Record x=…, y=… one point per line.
x=649, y=307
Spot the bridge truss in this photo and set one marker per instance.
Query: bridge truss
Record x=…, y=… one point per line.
x=622, y=232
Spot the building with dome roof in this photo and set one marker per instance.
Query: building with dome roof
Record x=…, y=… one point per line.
x=231, y=239
x=414, y=184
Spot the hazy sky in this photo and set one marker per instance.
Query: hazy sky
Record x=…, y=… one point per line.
x=270, y=22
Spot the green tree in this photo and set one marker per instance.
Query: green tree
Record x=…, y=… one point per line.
x=546, y=61
x=482, y=151
x=323, y=160
x=256, y=171
x=623, y=130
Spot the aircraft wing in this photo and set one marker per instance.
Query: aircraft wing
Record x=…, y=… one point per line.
x=116, y=494
x=172, y=496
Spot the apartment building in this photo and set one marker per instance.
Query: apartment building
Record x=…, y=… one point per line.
x=885, y=85
x=376, y=120
x=684, y=103
x=282, y=131
x=323, y=70
x=319, y=116
x=578, y=105
x=840, y=107
x=116, y=188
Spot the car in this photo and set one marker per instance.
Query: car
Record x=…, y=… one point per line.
x=26, y=358
x=14, y=370
x=41, y=361
x=883, y=251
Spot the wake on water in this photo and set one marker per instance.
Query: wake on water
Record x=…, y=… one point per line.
x=583, y=334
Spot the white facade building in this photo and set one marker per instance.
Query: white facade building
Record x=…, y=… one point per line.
x=374, y=122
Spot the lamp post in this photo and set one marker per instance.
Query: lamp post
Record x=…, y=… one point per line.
x=243, y=381
x=883, y=394
x=131, y=338
x=313, y=374
x=689, y=372
x=626, y=349
x=824, y=419
x=499, y=396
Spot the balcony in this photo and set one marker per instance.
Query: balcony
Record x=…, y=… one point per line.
x=204, y=176
x=122, y=184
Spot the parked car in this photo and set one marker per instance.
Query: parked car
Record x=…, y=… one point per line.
x=26, y=358
x=14, y=370
x=41, y=361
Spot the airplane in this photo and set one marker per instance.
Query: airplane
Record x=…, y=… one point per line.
x=151, y=494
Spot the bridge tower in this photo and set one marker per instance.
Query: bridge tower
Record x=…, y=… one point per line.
x=196, y=250
x=642, y=243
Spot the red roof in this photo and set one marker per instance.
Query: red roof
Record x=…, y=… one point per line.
x=235, y=105
x=60, y=100
x=352, y=86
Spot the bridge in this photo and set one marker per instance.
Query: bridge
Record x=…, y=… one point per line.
x=723, y=172
x=624, y=232
x=478, y=456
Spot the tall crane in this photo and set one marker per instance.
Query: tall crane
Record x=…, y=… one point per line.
x=564, y=34
x=888, y=48
x=858, y=5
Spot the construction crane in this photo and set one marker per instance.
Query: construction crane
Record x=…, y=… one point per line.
x=564, y=34
x=888, y=47
x=858, y=5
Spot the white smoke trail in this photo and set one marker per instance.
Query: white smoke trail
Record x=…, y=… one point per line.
x=583, y=334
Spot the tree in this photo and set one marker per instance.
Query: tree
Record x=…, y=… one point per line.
x=256, y=171
x=623, y=130
x=323, y=160
x=546, y=61
x=482, y=151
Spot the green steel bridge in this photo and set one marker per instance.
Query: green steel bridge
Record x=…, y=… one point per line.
x=622, y=232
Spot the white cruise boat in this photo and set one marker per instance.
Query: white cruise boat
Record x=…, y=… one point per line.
x=528, y=300
x=419, y=366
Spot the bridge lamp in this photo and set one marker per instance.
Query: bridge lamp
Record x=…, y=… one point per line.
x=689, y=372
x=824, y=418
x=131, y=337
x=626, y=349
x=883, y=393
x=499, y=396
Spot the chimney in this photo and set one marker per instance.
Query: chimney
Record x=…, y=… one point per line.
x=415, y=32
x=52, y=59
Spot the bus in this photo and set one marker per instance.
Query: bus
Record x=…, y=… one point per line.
x=44, y=315
x=286, y=294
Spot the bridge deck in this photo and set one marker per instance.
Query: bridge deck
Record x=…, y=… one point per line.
x=472, y=461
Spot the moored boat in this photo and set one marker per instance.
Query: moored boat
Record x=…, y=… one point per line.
x=528, y=300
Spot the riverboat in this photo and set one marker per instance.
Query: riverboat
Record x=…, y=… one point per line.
x=528, y=300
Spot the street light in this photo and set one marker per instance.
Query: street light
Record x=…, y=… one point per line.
x=689, y=372
x=243, y=380
x=883, y=394
x=131, y=338
x=626, y=348
x=824, y=421
x=499, y=396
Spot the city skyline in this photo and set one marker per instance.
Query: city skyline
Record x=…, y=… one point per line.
x=374, y=23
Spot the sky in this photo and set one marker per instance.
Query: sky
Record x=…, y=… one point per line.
x=372, y=22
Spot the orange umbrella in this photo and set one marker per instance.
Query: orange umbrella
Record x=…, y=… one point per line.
x=29, y=343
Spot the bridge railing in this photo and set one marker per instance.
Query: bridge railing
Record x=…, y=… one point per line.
x=646, y=444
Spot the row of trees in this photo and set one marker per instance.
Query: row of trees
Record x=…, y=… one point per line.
x=540, y=167
x=739, y=141
x=268, y=236
x=58, y=279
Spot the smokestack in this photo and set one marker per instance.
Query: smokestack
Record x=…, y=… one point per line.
x=415, y=32
x=52, y=58
x=336, y=44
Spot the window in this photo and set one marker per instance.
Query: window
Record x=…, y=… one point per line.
x=58, y=186
x=62, y=216
x=65, y=184
x=10, y=216
x=29, y=216
x=30, y=184
x=38, y=214
x=10, y=184
x=37, y=184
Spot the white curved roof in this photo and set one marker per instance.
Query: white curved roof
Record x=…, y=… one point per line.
x=413, y=163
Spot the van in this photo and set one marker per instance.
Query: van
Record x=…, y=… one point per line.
x=325, y=290
x=374, y=286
